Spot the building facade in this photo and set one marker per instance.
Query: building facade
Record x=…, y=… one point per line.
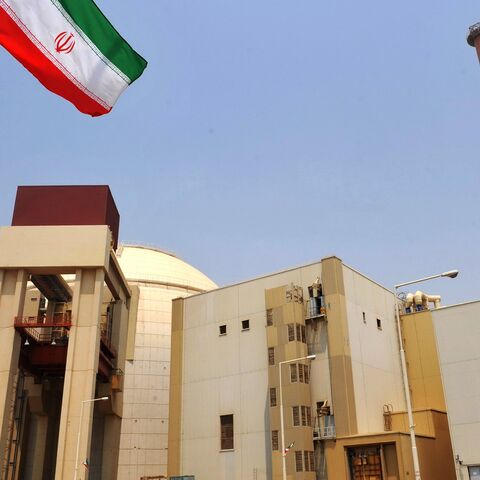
x=243, y=355
x=457, y=331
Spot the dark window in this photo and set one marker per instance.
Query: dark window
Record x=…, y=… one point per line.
x=298, y=461
x=271, y=356
x=226, y=432
x=300, y=372
x=293, y=372
x=309, y=416
x=222, y=329
x=299, y=334
x=304, y=338
x=291, y=332
x=274, y=439
x=306, y=370
x=296, y=416
x=312, y=461
x=379, y=324
x=273, y=397
x=306, y=462
x=364, y=318
x=269, y=317
x=245, y=324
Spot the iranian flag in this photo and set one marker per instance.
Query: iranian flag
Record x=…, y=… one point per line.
x=72, y=49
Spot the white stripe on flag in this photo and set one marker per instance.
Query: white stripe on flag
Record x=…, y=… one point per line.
x=44, y=21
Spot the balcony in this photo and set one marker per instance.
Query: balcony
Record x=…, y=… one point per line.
x=42, y=329
x=314, y=308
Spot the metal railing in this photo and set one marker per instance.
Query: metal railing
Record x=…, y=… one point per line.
x=314, y=308
x=55, y=320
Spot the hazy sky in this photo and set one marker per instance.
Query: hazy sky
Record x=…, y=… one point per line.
x=267, y=134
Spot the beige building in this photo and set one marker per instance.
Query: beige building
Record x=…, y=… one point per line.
x=85, y=333
x=344, y=409
x=158, y=277
x=457, y=331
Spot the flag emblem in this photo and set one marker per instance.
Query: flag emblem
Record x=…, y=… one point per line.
x=64, y=42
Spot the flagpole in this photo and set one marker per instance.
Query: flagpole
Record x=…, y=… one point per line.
x=282, y=426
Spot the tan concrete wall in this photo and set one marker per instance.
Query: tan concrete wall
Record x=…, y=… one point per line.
x=423, y=366
x=343, y=394
x=64, y=248
x=175, y=403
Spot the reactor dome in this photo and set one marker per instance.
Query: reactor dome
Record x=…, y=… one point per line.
x=152, y=265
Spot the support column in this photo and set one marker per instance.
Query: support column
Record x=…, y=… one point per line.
x=113, y=423
x=80, y=373
x=12, y=295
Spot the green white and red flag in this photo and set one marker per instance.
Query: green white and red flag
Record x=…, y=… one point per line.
x=72, y=49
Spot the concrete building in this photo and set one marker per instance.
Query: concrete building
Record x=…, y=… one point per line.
x=457, y=331
x=344, y=410
x=158, y=277
x=61, y=344
x=82, y=320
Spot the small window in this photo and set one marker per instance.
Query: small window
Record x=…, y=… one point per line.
x=226, y=432
x=306, y=460
x=273, y=397
x=293, y=372
x=271, y=356
x=296, y=416
x=304, y=337
x=274, y=439
x=364, y=317
x=379, y=324
x=300, y=372
x=222, y=329
x=309, y=417
x=298, y=461
x=245, y=324
x=269, y=317
x=291, y=332
x=299, y=334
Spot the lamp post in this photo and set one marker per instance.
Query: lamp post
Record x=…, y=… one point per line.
x=282, y=428
x=406, y=385
x=80, y=430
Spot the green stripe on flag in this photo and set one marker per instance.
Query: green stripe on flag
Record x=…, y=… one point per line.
x=101, y=32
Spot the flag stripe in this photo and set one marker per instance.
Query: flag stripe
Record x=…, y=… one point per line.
x=43, y=22
x=23, y=48
x=101, y=32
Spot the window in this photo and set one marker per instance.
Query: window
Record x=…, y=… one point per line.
x=269, y=317
x=298, y=461
x=226, y=432
x=274, y=439
x=309, y=416
x=291, y=332
x=304, y=337
x=304, y=416
x=312, y=461
x=293, y=372
x=306, y=371
x=364, y=318
x=222, y=330
x=296, y=416
x=271, y=356
x=379, y=324
x=306, y=460
x=300, y=372
x=299, y=334
x=273, y=397
x=245, y=324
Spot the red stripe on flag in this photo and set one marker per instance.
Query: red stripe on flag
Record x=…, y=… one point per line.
x=25, y=51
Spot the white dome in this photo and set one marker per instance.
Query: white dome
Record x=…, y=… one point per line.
x=147, y=264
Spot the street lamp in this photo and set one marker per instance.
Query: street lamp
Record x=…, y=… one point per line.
x=282, y=429
x=80, y=430
x=406, y=385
